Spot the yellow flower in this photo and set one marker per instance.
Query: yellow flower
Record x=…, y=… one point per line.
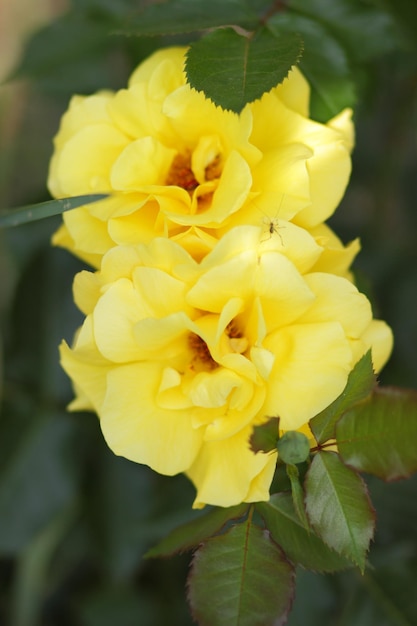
x=181, y=359
x=177, y=165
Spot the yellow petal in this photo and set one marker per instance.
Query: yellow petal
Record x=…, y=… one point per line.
x=86, y=290
x=294, y=92
x=143, y=162
x=233, y=279
x=337, y=299
x=224, y=471
x=335, y=258
x=166, y=63
x=378, y=336
x=115, y=314
x=344, y=125
x=284, y=293
x=87, y=232
x=161, y=293
x=85, y=161
x=136, y=427
x=312, y=363
x=87, y=370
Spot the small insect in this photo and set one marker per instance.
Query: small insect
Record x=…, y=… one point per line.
x=272, y=224
x=273, y=227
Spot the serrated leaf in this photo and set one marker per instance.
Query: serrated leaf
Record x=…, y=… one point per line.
x=302, y=547
x=264, y=437
x=338, y=507
x=379, y=435
x=241, y=578
x=192, y=533
x=233, y=69
x=182, y=16
x=324, y=64
x=360, y=384
x=34, y=212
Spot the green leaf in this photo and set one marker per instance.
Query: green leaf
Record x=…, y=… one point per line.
x=293, y=447
x=366, y=31
x=181, y=16
x=264, y=437
x=379, y=435
x=324, y=64
x=34, y=212
x=302, y=547
x=338, y=507
x=240, y=578
x=192, y=533
x=297, y=495
x=233, y=69
x=360, y=384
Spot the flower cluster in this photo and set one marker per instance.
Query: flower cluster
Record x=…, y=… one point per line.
x=219, y=296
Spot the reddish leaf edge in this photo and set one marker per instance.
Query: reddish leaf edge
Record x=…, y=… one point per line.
x=283, y=618
x=373, y=517
x=349, y=563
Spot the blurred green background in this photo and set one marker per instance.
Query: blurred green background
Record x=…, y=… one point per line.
x=75, y=520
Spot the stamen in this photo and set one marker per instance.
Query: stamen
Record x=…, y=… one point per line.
x=213, y=170
x=232, y=330
x=237, y=341
x=202, y=358
x=181, y=173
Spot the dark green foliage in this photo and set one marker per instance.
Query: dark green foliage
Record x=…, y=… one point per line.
x=233, y=69
x=338, y=507
x=189, y=535
x=233, y=66
x=264, y=437
x=379, y=435
x=75, y=521
x=33, y=213
x=179, y=16
x=240, y=578
x=302, y=546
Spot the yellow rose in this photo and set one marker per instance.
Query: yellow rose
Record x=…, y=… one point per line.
x=177, y=165
x=181, y=359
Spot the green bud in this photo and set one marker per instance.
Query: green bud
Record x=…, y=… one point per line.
x=293, y=447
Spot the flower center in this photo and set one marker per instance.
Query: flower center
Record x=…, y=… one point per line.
x=181, y=174
x=232, y=341
x=213, y=169
x=202, y=359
